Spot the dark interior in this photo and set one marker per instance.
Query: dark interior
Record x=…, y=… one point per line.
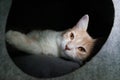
x=28, y=15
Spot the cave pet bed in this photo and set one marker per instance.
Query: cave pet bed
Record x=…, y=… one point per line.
x=104, y=66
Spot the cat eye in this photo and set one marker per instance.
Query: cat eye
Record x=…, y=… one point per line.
x=71, y=36
x=81, y=49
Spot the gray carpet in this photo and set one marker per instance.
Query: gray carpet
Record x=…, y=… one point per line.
x=104, y=66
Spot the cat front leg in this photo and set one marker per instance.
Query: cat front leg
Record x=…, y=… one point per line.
x=14, y=37
x=22, y=42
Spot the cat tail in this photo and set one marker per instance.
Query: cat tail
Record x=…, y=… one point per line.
x=22, y=42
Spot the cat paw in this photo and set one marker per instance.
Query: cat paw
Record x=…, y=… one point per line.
x=13, y=36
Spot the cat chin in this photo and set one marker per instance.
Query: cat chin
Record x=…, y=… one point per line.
x=69, y=54
x=71, y=58
x=65, y=54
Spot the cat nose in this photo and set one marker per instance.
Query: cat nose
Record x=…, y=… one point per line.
x=67, y=48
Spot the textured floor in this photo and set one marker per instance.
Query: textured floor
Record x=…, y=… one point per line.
x=104, y=66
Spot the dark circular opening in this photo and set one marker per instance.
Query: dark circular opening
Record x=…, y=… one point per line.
x=27, y=15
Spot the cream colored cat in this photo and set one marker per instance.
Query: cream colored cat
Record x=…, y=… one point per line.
x=74, y=43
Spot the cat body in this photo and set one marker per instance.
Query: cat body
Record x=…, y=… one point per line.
x=36, y=42
x=74, y=43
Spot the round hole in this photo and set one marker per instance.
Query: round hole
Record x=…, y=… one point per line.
x=26, y=15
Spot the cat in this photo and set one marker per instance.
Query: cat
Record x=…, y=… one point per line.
x=74, y=44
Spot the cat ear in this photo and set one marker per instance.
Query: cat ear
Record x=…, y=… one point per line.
x=83, y=22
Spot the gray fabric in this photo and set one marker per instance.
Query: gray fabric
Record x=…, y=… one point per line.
x=104, y=66
x=45, y=66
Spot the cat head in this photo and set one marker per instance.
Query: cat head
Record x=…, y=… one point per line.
x=77, y=44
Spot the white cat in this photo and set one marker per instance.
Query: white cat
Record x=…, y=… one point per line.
x=74, y=43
